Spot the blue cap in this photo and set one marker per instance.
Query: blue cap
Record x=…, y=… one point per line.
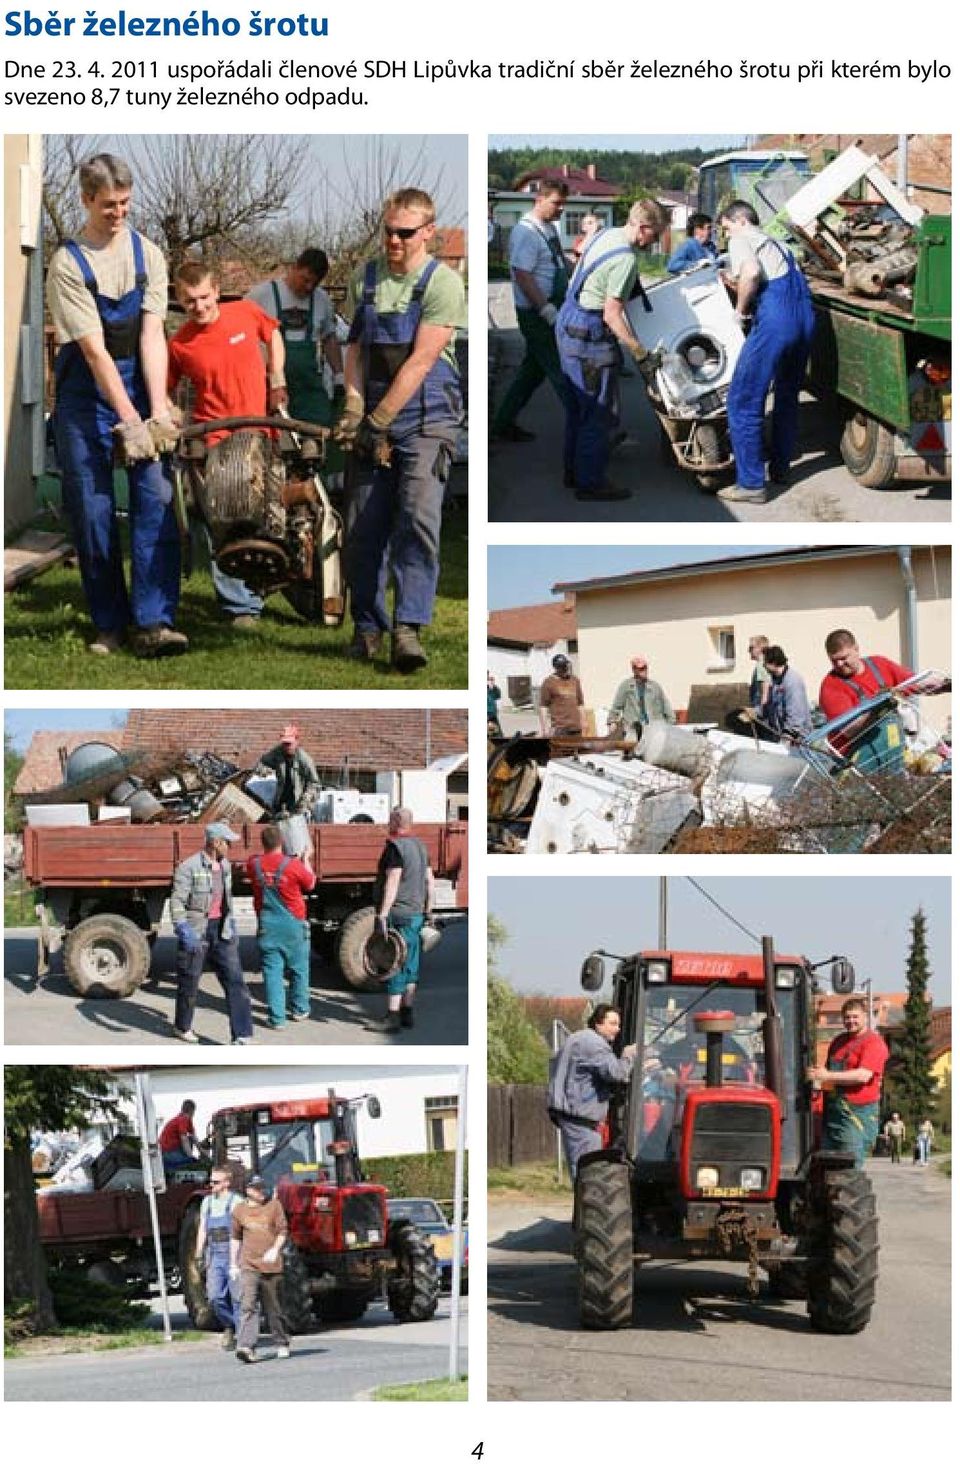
x=221, y=831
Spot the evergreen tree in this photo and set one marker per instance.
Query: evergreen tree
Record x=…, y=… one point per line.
x=911, y=1085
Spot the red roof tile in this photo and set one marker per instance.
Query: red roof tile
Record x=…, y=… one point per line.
x=534, y=625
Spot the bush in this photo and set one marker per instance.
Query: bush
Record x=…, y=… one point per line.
x=93, y=1306
x=408, y=1175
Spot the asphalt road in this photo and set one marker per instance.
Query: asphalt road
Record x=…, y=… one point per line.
x=333, y=1365
x=526, y=486
x=48, y=1011
x=698, y=1336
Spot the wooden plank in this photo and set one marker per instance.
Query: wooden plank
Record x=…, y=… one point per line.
x=34, y=551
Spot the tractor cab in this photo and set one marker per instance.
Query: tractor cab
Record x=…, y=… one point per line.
x=296, y=1141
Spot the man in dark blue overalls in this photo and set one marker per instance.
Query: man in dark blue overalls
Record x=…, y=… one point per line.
x=107, y=295
x=768, y=282
x=401, y=414
x=591, y=327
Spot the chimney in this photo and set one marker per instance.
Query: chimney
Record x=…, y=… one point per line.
x=592, y=171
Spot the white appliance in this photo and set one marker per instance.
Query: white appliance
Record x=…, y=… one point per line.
x=349, y=805
x=694, y=323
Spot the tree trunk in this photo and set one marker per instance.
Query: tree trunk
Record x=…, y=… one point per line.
x=24, y=1264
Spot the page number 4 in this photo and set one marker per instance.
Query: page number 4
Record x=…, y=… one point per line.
x=477, y=1453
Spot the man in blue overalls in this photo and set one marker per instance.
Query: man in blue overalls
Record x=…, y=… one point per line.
x=400, y=419
x=213, y=1253
x=591, y=327
x=107, y=295
x=767, y=281
x=279, y=884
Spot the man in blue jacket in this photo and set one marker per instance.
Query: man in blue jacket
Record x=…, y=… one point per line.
x=583, y=1077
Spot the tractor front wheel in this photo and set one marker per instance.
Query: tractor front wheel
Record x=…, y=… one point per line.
x=845, y=1246
x=604, y=1246
x=413, y=1292
x=296, y=1296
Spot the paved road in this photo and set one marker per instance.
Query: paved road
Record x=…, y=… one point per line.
x=698, y=1336
x=49, y=1011
x=525, y=483
x=333, y=1365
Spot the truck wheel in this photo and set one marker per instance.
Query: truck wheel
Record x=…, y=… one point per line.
x=192, y=1276
x=604, y=1246
x=343, y=1306
x=842, y=1270
x=296, y=1297
x=413, y=1293
x=354, y=933
x=106, y=956
x=867, y=449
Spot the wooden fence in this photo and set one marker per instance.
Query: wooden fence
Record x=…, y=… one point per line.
x=518, y=1129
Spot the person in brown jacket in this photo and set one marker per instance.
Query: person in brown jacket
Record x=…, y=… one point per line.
x=259, y=1229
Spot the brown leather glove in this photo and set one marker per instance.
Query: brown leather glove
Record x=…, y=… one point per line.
x=648, y=362
x=165, y=431
x=136, y=442
x=350, y=418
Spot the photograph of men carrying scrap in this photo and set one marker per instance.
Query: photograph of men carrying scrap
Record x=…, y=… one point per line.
x=707, y=329
x=241, y=412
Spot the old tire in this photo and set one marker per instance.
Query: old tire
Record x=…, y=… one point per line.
x=415, y=1290
x=343, y=1306
x=106, y=956
x=711, y=455
x=355, y=931
x=868, y=451
x=296, y=1296
x=192, y=1275
x=604, y=1246
x=843, y=1265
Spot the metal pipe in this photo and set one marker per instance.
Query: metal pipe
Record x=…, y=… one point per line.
x=772, y=1027
x=714, y=1059
x=453, y=1359
x=910, y=585
x=903, y=143
x=663, y=915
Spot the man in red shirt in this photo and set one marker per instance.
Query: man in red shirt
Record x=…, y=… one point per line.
x=872, y=745
x=232, y=353
x=178, y=1138
x=279, y=884
x=851, y=1080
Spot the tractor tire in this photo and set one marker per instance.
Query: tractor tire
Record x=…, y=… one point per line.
x=415, y=1290
x=843, y=1265
x=604, y=1246
x=296, y=1297
x=343, y=1306
x=868, y=450
x=192, y=1276
x=106, y=956
x=354, y=934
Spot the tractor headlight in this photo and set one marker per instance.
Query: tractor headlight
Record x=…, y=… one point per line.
x=751, y=1179
x=349, y=1237
x=785, y=978
x=373, y=1237
x=708, y=1177
x=658, y=972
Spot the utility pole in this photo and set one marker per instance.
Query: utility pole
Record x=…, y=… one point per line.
x=662, y=936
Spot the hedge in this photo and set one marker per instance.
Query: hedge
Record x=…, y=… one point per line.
x=408, y=1175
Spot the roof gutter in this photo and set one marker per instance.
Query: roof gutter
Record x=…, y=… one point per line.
x=910, y=587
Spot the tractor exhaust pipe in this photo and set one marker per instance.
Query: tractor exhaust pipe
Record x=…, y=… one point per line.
x=772, y=1026
x=714, y=1059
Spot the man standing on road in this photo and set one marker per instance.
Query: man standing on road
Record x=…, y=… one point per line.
x=584, y=1075
x=787, y=711
x=308, y=326
x=895, y=1131
x=279, y=884
x=178, y=1139
x=405, y=890
x=258, y=1235
x=851, y=1080
x=638, y=700
x=107, y=296
x=213, y=1254
x=871, y=744
x=561, y=698
x=201, y=908
x=591, y=327
x=298, y=782
x=539, y=273
x=402, y=411
x=220, y=351
x=773, y=296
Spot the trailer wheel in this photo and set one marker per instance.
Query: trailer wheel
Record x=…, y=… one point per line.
x=413, y=1293
x=192, y=1274
x=604, y=1246
x=106, y=956
x=296, y=1298
x=343, y=1306
x=843, y=1265
x=867, y=449
x=711, y=455
x=354, y=934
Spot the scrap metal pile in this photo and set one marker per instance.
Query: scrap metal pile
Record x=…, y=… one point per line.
x=873, y=781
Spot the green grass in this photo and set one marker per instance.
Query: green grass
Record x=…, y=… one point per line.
x=539, y=1180
x=19, y=905
x=435, y=1390
x=47, y=631
x=81, y=1339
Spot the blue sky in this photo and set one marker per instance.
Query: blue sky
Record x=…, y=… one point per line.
x=524, y=576
x=554, y=921
x=22, y=725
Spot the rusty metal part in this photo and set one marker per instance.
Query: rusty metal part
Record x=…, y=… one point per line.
x=296, y=491
x=736, y=1227
x=276, y=424
x=863, y=278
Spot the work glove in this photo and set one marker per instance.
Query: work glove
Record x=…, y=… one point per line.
x=648, y=362
x=277, y=394
x=165, y=431
x=136, y=442
x=350, y=418
x=548, y=313
x=372, y=443
x=187, y=936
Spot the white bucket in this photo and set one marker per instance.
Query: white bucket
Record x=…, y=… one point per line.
x=294, y=835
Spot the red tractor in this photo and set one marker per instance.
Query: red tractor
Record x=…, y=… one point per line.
x=712, y=1147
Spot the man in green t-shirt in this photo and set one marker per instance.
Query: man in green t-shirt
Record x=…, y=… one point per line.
x=401, y=414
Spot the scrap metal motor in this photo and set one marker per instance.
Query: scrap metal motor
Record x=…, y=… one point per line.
x=270, y=519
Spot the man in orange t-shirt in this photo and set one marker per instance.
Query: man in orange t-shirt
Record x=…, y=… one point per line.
x=233, y=355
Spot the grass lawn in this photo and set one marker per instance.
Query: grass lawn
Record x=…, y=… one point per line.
x=19, y=904
x=528, y=1180
x=435, y=1390
x=80, y=1339
x=47, y=631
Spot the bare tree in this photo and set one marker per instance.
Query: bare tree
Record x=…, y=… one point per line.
x=63, y=213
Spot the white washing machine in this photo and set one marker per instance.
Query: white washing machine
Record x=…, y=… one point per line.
x=694, y=323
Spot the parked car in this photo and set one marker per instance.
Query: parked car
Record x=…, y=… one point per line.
x=428, y=1217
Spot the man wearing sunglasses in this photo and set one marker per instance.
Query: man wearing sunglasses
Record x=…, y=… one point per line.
x=400, y=419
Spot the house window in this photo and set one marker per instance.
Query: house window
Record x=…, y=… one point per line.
x=723, y=653
x=441, y=1121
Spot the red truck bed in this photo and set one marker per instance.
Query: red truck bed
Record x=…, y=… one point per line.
x=97, y=1215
